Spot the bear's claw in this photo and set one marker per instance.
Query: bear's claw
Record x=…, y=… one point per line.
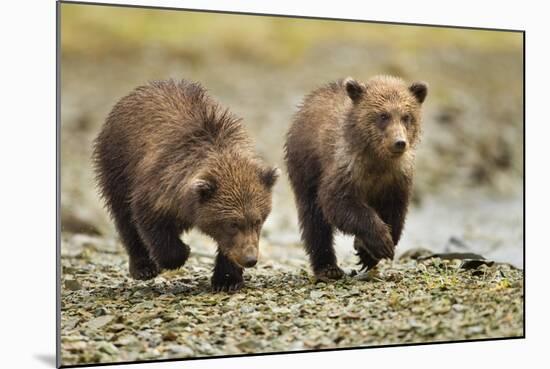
x=330, y=272
x=234, y=287
x=227, y=282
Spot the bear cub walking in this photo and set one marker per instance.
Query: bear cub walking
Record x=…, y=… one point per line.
x=169, y=158
x=350, y=157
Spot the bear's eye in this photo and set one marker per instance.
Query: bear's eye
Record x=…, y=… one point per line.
x=257, y=223
x=383, y=120
x=233, y=227
x=406, y=118
x=384, y=117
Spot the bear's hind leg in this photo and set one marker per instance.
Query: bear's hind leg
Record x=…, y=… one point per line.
x=141, y=265
x=317, y=235
x=227, y=275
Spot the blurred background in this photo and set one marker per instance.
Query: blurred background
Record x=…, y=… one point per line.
x=468, y=193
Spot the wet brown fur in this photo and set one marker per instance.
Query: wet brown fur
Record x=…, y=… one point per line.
x=344, y=168
x=168, y=159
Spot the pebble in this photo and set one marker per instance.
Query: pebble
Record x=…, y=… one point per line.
x=180, y=350
x=72, y=284
x=276, y=311
x=126, y=340
x=99, y=322
x=108, y=348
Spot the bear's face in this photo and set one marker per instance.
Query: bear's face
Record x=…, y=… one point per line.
x=234, y=202
x=238, y=237
x=386, y=115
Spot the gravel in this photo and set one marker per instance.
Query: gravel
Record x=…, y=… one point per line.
x=112, y=318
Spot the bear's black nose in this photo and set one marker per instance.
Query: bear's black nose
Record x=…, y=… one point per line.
x=250, y=261
x=399, y=145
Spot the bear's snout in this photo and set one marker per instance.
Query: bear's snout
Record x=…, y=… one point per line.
x=248, y=257
x=396, y=139
x=399, y=146
x=249, y=261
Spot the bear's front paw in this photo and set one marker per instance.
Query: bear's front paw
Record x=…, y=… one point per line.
x=366, y=260
x=143, y=269
x=380, y=244
x=228, y=282
x=329, y=272
x=174, y=257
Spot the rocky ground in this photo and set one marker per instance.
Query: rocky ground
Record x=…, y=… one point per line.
x=108, y=317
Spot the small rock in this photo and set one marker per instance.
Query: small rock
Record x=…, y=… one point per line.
x=118, y=327
x=181, y=350
x=458, y=307
x=247, y=309
x=475, y=329
x=145, y=305
x=168, y=317
x=100, y=311
x=70, y=323
x=126, y=340
x=353, y=292
x=72, y=284
x=74, y=338
x=75, y=346
x=281, y=310
x=99, y=321
x=296, y=345
x=155, y=322
x=393, y=277
x=250, y=345
x=206, y=348
x=414, y=323
x=441, y=308
x=315, y=294
x=170, y=336
x=108, y=348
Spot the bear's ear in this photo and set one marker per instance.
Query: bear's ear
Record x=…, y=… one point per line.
x=354, y=89
x=203, y=188
x=419, y=90
x=269, y=176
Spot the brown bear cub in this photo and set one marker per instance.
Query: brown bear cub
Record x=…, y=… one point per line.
x=169, y=158
x=350, y=156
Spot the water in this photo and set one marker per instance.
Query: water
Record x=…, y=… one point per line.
x=474, y=223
